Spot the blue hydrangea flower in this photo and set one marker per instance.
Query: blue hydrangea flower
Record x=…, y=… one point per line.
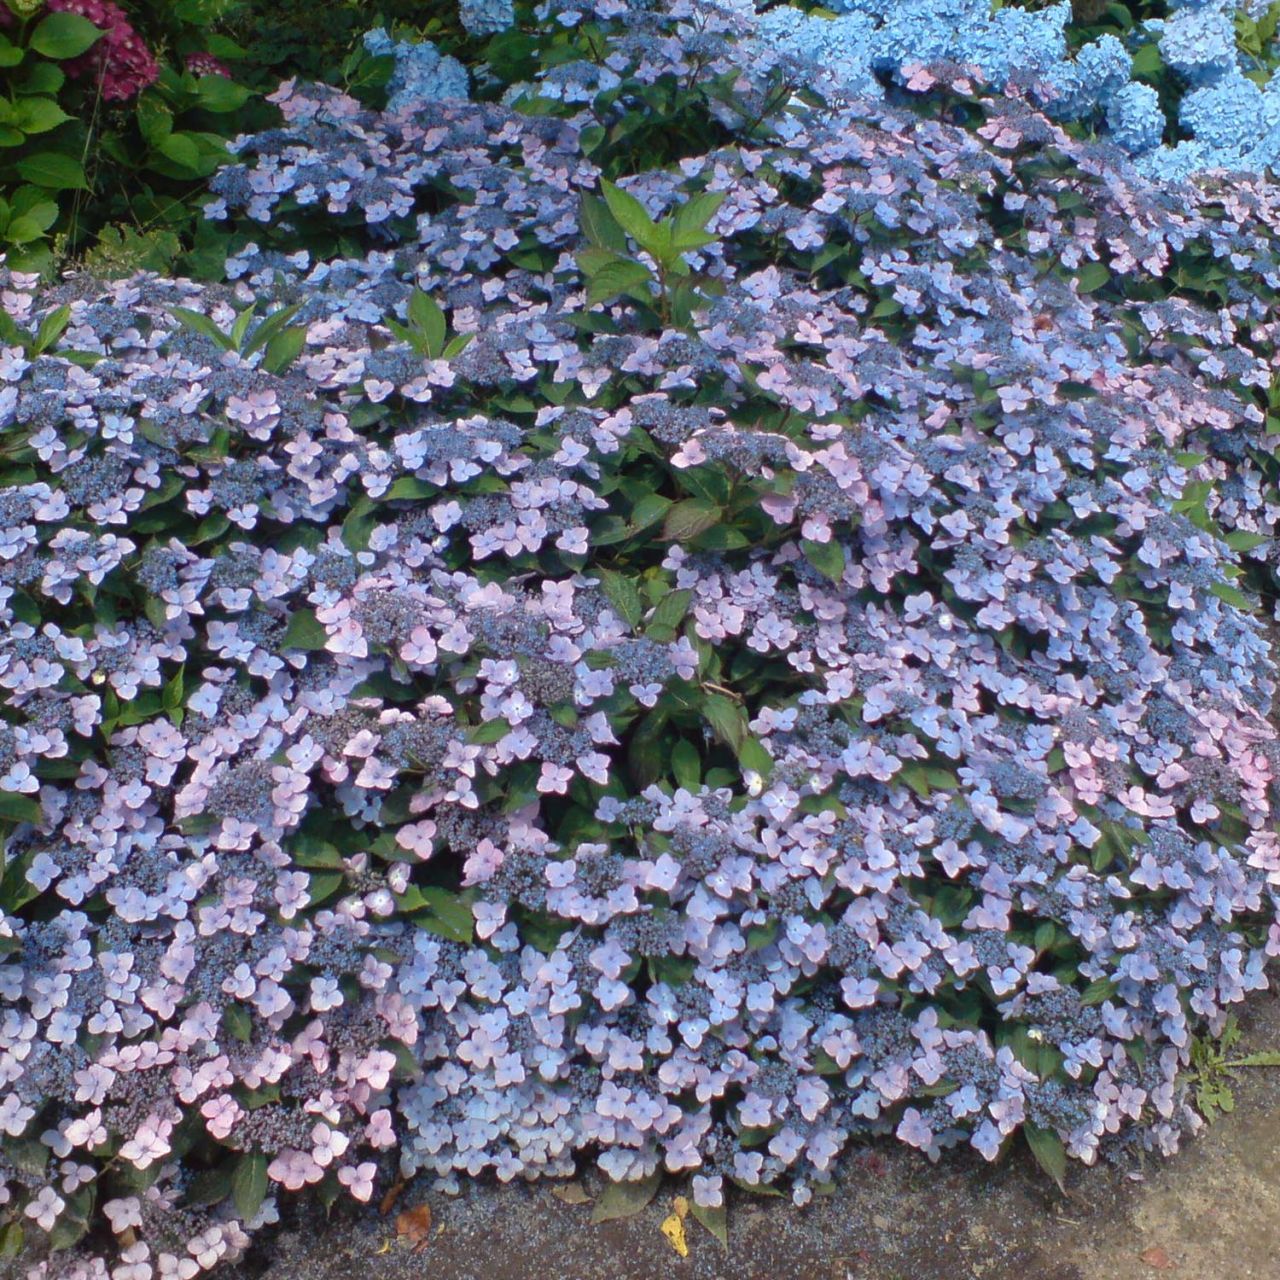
x=840, y=46
x=1134, y=118
x=1198, y=43
x=422, y=72
x=1227, y=115
x=486, y=17
x=1096, y=74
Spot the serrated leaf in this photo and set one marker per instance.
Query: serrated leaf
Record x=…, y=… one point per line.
x=599, y=226
x=668, y=615
x=38, y=114
x=626, y=1199
x=726, y=718
x=623, y=594
x=614, y=278
x=631, y=216
x=219, y=94
x=688, y=229
x=687, y=519
x=249, y=1184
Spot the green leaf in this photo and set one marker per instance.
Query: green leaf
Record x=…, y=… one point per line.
x=689, y=518
x=649, y=510
x=272, y=326
x=626, y=1199
x=313, y=853
x=181, y=149
x=53, y=169
x=1243, y=540
x=716, y=1220
x=1147, y=60
x=614, y=278
x=826, y=557
x=598, y=225
x=155, y=120
x=10, y=55
x=686, y=765
x=51, y=329
x=727, y=719
x=236, y=1021
x=323, y=887
x=688, y=229
x=10, y=1236
x=623, y=594
x=39, y=114
x=23, y=230
x=1093, y=275
x=446, y=915
x=43, y=77
x=1232, y=595
x=15, y=807
x=632, y=217
x=249, y=1184
x=1098, y=990
x=304, y=631
x=64, y=35
x=172, y=695
x=284, y=349
x=209, y=1187
x=753, y=756
x=218, y=94
x=198, y=322
x=427, y=318
x=1048, y=1150
x=668, y=615
x=1265, y=1059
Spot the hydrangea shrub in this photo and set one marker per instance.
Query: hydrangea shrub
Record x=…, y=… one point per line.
x=687, y=672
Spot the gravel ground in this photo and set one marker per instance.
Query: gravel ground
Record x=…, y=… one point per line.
x=1212, y=1212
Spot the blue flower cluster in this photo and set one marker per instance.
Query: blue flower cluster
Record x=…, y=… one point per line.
x=1233, y=123
x=422, y=73
x=486, y=17
x=455, y=718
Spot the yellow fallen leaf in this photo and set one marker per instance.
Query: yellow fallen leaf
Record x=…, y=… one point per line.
x=680, y=1206
x=572, y=1193
x=673, y=1229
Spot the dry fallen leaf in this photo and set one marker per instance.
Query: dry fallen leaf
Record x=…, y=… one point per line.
x=673, y=1227
x=1157, y=1256
x=571, y=1193
x=414, y=1226
x=393, y=1194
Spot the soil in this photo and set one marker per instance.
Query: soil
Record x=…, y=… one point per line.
x=1211, y=1212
